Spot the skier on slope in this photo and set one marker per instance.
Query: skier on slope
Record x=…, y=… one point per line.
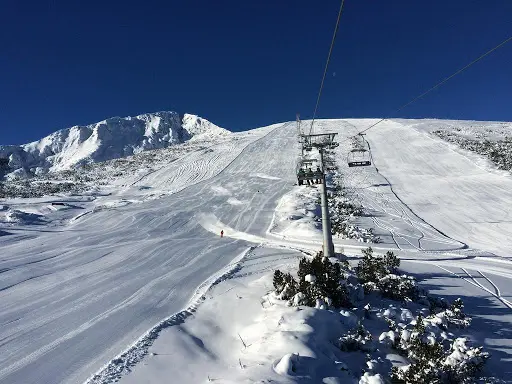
x=222, y=233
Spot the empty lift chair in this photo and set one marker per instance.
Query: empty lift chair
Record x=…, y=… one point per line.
x=359, y=158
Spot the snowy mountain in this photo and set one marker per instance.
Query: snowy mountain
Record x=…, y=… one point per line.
x=117, y=272
x=112, y=138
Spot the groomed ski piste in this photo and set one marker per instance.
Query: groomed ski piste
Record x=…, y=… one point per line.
x=132, y=282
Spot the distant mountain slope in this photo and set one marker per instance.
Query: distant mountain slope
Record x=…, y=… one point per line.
x=109, y=139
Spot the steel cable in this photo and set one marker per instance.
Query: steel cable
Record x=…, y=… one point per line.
x=327, y=64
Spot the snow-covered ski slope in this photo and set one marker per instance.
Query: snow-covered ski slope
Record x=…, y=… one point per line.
x=75, y=295
x=453, y=190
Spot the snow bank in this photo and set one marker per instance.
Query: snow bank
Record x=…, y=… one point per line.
x=14, y=216
x=296, y=214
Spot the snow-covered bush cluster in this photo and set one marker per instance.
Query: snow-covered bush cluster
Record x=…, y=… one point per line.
x=386, y=314
x=435, y=356
x=379, y=273
x=498, y=151
x=331, y=283
x=36, y=188
x=357, y=339
x=343, y=211
x=320, y=284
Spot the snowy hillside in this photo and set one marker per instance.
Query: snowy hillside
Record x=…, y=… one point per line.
x=109, y=139
x=128, y=279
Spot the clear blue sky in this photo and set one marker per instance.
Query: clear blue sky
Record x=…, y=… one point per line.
x=243, y=64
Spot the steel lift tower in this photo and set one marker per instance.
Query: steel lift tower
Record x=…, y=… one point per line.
x=323, y=141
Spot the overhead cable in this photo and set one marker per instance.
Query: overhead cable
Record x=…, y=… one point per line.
x=327, y=64
x=440, y=83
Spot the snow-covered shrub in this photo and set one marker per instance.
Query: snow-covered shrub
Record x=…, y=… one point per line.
x=373, y=268
x=451, y=317
x=435, y=303
x=344, y=229
x=322, y=279
x=426, y=355
x=463, y=362
x=321, y=284
x=455, y=314
x=358, y=339
x=378, y=273
x=278, y=281
x=32, y=188
x=344, y=207
x=285, y=285
x=391, y=261
x=431, y=362
x=355, y=291
x=398, y=287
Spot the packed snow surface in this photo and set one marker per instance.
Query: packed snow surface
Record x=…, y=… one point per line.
x=88, y=282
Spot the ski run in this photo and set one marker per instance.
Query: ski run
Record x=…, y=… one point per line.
x=126, y=278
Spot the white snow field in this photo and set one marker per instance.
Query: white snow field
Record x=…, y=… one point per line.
x=454, y=191
x=92, y=287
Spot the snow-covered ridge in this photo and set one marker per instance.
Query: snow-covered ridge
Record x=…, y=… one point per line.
x=112, y=138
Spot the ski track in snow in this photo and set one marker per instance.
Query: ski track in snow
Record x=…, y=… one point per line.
x=122, y=364
x=72, y=299
x=117, y=272
x=472, y=280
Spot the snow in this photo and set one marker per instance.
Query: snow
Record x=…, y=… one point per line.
x=446, y=189
x=287, y=365
x=109, y=139
x=348, y=318
x=310, y=278
x=131, y=281
x=201, y=129
x=72, y=297
x=368, y=378
x=237, y=336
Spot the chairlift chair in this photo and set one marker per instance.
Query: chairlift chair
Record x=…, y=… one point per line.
x=359, y=158
x=306, y=173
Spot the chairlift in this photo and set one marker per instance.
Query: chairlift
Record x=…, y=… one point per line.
x=359, y=158
x=306, y=173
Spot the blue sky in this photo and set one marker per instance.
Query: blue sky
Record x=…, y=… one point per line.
x=246, y=64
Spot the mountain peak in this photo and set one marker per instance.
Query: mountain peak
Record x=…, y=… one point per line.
x=108, y=139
